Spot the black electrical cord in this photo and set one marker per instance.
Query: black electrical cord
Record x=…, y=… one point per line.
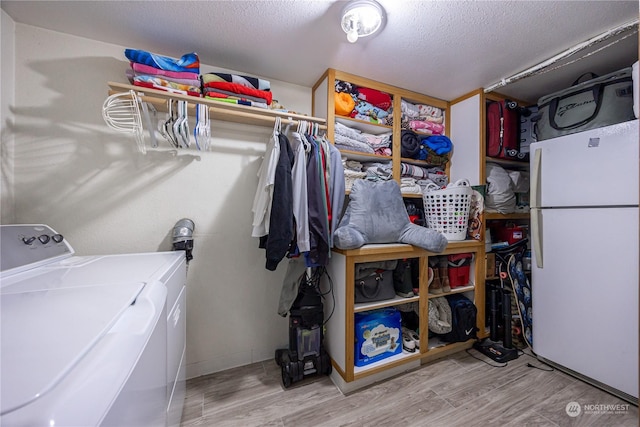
x=535, y=356
x=313, y=282
x=484, y=361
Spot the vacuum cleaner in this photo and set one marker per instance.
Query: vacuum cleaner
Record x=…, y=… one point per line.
x=306, y=355
x=499, y=346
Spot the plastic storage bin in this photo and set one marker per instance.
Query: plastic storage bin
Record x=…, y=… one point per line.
x=511, y=233
x=459, y=269
x=378, y=335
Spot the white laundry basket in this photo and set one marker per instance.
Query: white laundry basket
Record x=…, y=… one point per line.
x=447, y=210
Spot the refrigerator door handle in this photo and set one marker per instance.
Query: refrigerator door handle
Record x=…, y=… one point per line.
x=535, y=179
x=536, y=236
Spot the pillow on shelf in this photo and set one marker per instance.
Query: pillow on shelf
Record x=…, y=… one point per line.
x=376, y=214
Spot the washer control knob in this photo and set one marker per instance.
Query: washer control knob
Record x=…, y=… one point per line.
x=28, y=240
x=44, y=239
x=57, y=238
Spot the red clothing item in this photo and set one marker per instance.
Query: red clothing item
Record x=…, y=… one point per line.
x=238, y=88
x=375, y=97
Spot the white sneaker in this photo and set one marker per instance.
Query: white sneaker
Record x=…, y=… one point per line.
x=412, y=337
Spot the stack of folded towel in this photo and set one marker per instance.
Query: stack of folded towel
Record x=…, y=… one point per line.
x=164, y=73
x=237, y=89
x=421, y=118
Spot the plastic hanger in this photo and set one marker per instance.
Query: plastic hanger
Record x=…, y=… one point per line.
x=184, y=124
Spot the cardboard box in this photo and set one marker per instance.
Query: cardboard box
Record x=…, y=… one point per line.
x=490, y=268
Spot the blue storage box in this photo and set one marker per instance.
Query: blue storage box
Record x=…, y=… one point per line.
x=378, y=335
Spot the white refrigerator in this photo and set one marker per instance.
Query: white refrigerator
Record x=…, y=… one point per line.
x=584, y=232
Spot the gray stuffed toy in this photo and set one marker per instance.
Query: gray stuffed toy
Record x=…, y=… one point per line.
x=376, y=214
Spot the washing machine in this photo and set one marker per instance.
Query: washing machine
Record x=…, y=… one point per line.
x=89, y=340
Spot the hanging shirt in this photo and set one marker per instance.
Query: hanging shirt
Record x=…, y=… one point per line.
x=264, y=193
x=300, y=201
x=318, y=254
x=278, y=242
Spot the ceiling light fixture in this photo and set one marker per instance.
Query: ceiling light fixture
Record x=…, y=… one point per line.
x=362, y=18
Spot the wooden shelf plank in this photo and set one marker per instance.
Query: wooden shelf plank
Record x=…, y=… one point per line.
x=218, y=110
x=497, y=215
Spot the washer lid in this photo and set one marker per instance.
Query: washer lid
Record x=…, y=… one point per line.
x=45, y=333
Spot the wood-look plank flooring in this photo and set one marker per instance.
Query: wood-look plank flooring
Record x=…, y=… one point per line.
x=457, y=390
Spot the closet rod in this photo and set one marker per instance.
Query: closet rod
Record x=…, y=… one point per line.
x=565, y=54
x=218, y=110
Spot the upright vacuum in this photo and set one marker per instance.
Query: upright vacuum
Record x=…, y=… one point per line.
x=306, y=355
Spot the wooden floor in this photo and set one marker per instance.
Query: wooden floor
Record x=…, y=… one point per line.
x=458, y=390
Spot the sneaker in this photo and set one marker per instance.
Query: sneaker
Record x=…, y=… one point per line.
x=408, y=343
x=413, y=335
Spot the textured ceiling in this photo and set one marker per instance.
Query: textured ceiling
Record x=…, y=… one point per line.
x=441, y=48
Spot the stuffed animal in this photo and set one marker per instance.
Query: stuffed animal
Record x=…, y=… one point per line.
x=376, y=214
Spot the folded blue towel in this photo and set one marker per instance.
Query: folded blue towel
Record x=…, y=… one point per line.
x=438, y=143
x=187, y=63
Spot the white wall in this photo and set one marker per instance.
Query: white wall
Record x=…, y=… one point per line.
x=465, y=128
x=7, y=96
x=90, y=184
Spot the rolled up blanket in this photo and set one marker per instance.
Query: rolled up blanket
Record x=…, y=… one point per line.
x=410, y=144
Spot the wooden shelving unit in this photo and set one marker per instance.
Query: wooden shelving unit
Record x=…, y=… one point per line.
x=324, y=106
x=341, y=326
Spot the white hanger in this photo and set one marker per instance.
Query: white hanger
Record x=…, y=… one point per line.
x=277, y=126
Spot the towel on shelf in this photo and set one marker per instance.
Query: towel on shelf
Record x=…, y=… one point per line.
x=166, y=88
x=426, y=127
x=131, y=74
x=188, y=62
x=409, y=186
x=370, y=119
x=236, y=88
x=409, y=110
x=352, y=133
x=378, y=141
x=148, y=70
x=247, y=81
x=160, y=82
x=346, y=143
x=440, y=144
x=366, y=109
x=429, y=111
x=218, y=92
